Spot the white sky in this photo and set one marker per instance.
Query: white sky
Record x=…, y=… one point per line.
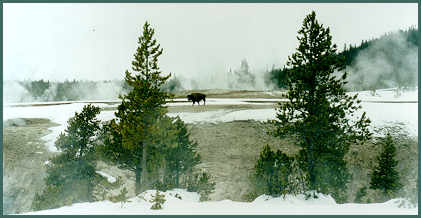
x=58, y=41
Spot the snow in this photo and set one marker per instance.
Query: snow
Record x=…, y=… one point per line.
x=226, y=115
x=189, y=204
x=228, y=101
x=56, y=113
x=389, y=95
x=377, y=110
x=110, y=179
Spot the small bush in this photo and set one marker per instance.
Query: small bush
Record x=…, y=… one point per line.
x=271, y=172
x=250, y=196
x=360, y=194
x=202, y=184
x=158, y=200
x=122, y=197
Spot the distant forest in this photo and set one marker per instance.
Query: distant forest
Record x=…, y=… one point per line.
x=385, y=62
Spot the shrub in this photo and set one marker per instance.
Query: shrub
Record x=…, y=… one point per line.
x=271, y=172
x=202, y=184
x=122, y=197
x=158, y=200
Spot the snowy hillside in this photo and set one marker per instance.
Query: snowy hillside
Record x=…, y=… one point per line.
x=189, y=204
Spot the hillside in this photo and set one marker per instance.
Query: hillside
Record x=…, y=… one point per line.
x=384, y=62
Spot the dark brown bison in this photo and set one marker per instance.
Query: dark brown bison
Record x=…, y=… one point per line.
x=197, y=97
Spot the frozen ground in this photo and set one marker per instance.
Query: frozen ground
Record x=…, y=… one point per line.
x=264, y=205
x=382, y=109
x=402, y=109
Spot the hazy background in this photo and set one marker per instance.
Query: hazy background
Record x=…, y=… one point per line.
x=97, y=41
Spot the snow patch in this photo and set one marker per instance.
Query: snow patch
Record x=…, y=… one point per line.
x=110, y=179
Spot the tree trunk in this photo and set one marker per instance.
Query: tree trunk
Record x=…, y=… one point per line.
x=144, y=176
x=138, y=173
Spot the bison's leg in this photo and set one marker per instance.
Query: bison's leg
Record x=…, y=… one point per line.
x=204, y=101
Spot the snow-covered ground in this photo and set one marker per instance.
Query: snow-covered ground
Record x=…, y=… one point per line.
x=379, y=112
x=264, y=205
x=59, y=114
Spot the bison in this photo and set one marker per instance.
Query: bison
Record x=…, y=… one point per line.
x=197, y=97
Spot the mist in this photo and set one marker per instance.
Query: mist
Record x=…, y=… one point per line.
x=240, y=77
x=18, y=91
x=391, y=62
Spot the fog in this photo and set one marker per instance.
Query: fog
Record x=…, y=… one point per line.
x=202, y=49
x=97, y=41
x=14, y=91
x=392, y=62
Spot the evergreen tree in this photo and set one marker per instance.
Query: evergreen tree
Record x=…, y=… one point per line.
x=385, y=176
x=297, y=179
x=141, y=111
x=201, y=183
x=272, y=172
x=315, y=114
x=158, y=200
x=71, y=173
x=181, y=158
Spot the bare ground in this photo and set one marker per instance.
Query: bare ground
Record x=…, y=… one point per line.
x=24, y=154
x=228, y=150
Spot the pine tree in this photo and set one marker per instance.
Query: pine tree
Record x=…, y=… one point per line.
x=272, y=171
x=297, y=179
x=181, y=158
x=141, y=110
x=385, y=176
x=315, y=114
x=70, y=174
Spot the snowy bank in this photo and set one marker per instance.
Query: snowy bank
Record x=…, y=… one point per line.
x=181, y=202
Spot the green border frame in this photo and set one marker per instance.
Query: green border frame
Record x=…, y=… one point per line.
x=210, y=1
x=202, y=1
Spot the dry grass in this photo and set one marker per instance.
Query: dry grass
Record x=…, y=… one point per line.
x=24, y=154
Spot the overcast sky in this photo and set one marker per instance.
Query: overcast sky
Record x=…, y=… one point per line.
x=97, y=41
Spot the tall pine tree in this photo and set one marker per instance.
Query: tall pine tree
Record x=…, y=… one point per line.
x=142, y=108
x=316, y=113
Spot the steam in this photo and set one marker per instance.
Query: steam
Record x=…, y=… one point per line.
x=387, y=63
x=15, y=92
x=240, y=78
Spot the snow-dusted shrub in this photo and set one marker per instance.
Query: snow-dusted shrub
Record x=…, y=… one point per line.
x=122, y=197
x=201, y=183
x=158, y=200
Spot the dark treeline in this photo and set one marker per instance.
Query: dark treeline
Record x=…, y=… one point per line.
x=351, y=52
x=366, y=62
